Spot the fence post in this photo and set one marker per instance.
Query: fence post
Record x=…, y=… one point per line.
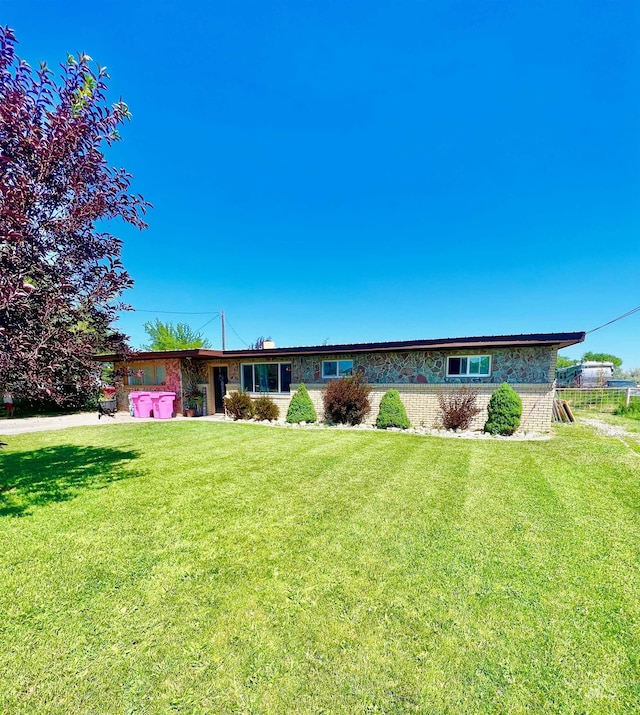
x=628, y=400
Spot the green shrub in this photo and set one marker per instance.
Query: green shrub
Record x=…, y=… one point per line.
x=505, y=410
x=632, y=410
x=458, y=408
x=301, y=408
x=239, y=405
x=265, y=408
x=392, y=412
x=346, y=400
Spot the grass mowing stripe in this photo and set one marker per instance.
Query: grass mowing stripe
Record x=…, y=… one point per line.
x=233, y=568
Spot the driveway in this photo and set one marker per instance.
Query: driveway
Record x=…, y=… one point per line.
x=20, y=425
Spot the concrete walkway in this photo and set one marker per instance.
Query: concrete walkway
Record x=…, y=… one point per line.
x=18, y=425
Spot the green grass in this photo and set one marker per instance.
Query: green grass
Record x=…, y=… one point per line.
x=225, y=568
x=629, y=422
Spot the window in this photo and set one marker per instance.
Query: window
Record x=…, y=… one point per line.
x=146, y=375
x=469, y=366
x=337, y=368
x=267, y=377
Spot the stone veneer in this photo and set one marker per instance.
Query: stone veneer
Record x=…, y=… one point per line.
x=173, y=382
x=524, y=365
x=420, y=377
x=530, y=365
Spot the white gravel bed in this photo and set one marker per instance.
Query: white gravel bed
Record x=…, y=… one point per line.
x=449, y=434
x=605, y=428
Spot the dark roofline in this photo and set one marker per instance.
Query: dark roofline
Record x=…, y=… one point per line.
x=562, y=340
x=156, y=354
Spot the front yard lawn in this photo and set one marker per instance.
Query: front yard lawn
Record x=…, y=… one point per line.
x=223, y=568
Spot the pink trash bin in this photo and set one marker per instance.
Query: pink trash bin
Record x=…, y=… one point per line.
x=163, y=404
x=142, y=404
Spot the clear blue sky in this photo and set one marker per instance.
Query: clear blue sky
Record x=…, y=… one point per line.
x=355, y=171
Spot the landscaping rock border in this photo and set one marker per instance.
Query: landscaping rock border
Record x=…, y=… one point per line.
x=423, y=431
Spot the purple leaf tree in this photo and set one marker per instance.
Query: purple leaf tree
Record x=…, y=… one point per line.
x=61, y=276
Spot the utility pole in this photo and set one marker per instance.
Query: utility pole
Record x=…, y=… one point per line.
x=222, y=321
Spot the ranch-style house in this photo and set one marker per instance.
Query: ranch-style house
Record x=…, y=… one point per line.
x=420, y=370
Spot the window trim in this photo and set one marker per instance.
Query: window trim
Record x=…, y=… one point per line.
x=469, y=374
x=253, y=373
x=337, y=375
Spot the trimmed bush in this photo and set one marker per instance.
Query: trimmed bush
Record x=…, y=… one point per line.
x=239, y=405
x=346, y=400
x=458, y=408
x=264, y=408
x=301, y=408
x=505, y=411
x=392, y=412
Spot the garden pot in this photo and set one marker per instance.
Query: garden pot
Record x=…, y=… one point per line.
x=190, y=412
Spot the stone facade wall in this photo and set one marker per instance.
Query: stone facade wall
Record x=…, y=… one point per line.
x=420, y=376
x=530, y=365
x=517, y=365
x=173, y=382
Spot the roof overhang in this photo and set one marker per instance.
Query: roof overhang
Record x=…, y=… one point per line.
x=560, y=340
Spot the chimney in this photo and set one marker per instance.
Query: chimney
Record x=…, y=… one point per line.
x=268, y=345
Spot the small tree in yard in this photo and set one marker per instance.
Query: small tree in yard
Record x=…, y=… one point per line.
x=458, y=408
x=60, y=271
x=392, y=412
x=301, y=408
x=346, y=400
x=504, y=410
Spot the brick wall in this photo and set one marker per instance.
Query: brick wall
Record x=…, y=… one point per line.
x=421, y=403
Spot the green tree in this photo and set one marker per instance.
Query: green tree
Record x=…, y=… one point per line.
x=504, y=411
x=301, y=408
x=603, y=357
x=166, y=336
x=392, y=412
x=564, y=361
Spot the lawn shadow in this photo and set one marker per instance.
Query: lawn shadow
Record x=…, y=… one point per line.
x=55, y=474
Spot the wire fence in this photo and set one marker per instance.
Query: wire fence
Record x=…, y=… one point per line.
x=598, y=399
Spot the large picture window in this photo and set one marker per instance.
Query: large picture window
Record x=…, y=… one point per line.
x=469, y=366
x=267, y=377
x=337, y=368
x=146, y=375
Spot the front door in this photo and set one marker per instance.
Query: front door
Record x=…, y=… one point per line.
x=220, y=380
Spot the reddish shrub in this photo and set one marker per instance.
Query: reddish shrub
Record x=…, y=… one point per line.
x=458, y=408
x=265, y=408
x=239, y=405
x=346, y=400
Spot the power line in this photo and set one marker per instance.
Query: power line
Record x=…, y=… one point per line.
x=173, y=312
x=620, y=317
x=234, y=330
x=217, y=315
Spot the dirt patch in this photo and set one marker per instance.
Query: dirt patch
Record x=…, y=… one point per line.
x=605, y=428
